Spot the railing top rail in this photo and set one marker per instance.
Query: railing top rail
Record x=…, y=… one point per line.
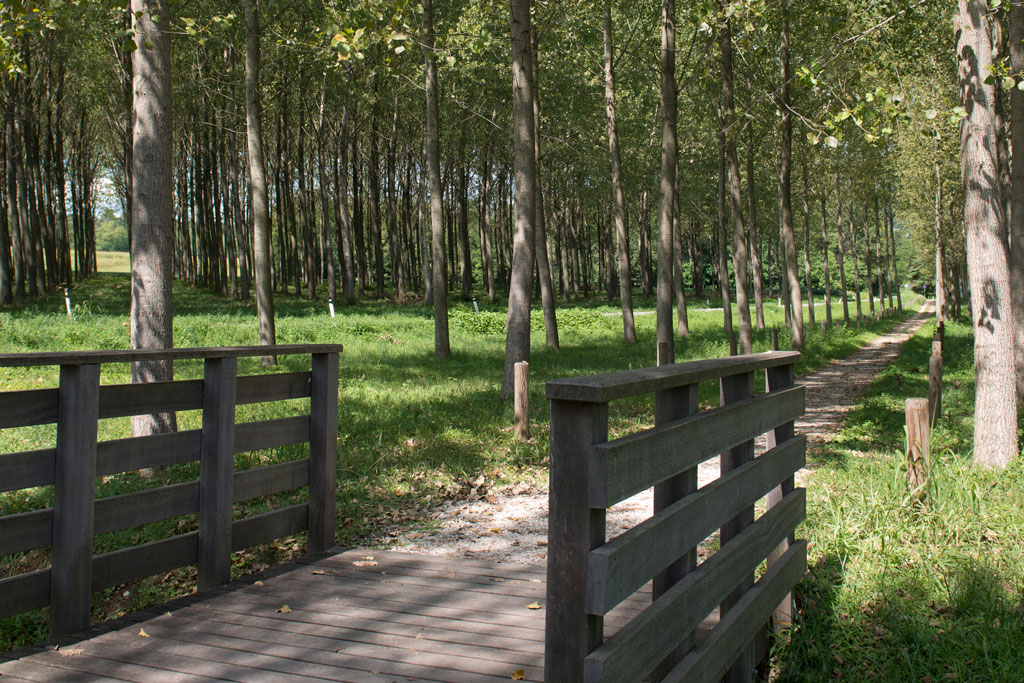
x=615, y=385
x=18, y=360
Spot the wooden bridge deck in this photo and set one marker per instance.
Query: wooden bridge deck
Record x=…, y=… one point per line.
x=348, y=615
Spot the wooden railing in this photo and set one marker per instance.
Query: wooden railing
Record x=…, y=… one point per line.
x=588, y=575
x=77, y=459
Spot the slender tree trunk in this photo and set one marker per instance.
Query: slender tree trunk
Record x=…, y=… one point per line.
x=1016, y=13
x=755, y=251
x=682, y=317
x=344, y=219
x=669, y=158
x=807, y=246
x=856, y=261
x=995, y=407
x=841, y=252
x=517, y=340
x=621, y=236
x=258, y=195
x=540, y=236
x=723, y=249
x=486, y=254
x=883, y=263
x=439, y=284
x=895, y=269
x=152, y=310
x=739, y=239
x=785, y=200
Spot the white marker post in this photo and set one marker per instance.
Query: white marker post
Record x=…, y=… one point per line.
x=330, y=306
x=67, y=301
x=476, y=308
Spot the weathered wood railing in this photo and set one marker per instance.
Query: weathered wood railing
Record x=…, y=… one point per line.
x=588, y=575
x=77, y=459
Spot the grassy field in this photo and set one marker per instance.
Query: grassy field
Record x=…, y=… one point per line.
x=413, y=430
x=900, y=590
x=113, y=262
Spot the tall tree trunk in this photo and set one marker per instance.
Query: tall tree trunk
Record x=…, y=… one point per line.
x=883, y=263
x=824, y=252
x=785, y=200
x=723, y=248
x=540, y=235
x=669, y=159
x=856, y=260
x=486, y=254
x=755, y=251
x=1016, y=13
x=895, y=269
x=344, y=219
x=152, y=311
x=517, y=340
x=682, y=317
x=841, y=253
x=462, y=197
x=439, y=284
x=621, y=236
x=995, y=407
x=807, y=246
x=258, y=195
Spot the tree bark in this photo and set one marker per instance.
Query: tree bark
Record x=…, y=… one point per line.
x=723, y=248
x=439, y=284
x=152, y=311
x=1016, y=14
x=669, y=157
x=785, y=200
x=841, y=253
x=807, y=246
x=540, y=248
x=995, y=407
x=621, y=236
x=755, y=251
x=517, y=339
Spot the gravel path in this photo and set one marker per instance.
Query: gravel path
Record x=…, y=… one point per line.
x=512, y=526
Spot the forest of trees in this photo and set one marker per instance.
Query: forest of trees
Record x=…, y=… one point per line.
x=560, y=149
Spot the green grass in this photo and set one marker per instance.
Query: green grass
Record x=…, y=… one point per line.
x=113, y=262
x=413, y=430
x=899, y=590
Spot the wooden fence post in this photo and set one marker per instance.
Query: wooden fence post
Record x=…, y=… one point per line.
x=573, y=529
x=522, y=400
x=737, y=388
x=74, y=497
x=217, y=471
x=775, y=339
x=776, y=379
x=918, y=445
x=935, y=383
x=323, y=451
x=733, y=351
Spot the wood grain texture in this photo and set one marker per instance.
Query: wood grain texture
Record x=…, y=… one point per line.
x=323, y=451
x=616, y=385
x=30, y=407
x=26, y=531
x=129, y=564
x=630, y=560
x=141, y=452
x=264, y=528
x=119, y=400
x=255, y=436
x=631, y=654
x=26, y=469
x=24, y=592
x=633, y=463
x=279, y=387
x=216, y=475
x=21, y=360
x=73, y=503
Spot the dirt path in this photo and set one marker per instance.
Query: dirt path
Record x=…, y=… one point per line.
x=512, y=527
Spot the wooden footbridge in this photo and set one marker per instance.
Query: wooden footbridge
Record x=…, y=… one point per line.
x=631, y=608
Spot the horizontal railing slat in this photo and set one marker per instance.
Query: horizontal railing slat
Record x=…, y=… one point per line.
x=633, y=652
x=26, y=469
x=24, y=592
x=279, y=387
x=138, y=562
x=119, y=400
x=26, y=531
x=20, y=360
x=142, y=452
x=621, y=468
x=255, y=436
x=264, y=528
x=30, y=407
x=142, y=507
x=619, y=567
x=615, y=385
x=710, y=660
x=267, y=481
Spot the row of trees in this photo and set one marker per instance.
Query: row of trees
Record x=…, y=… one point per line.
x=365, y=147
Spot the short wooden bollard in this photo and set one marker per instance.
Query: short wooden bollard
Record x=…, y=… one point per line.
x=522, y=400
x=918, y=445
x=666, y=354
x=775, y=339
x=935, y=383
x=733, y=351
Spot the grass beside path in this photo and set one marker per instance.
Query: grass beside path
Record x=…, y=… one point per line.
x=899, y=590
x=413, y=430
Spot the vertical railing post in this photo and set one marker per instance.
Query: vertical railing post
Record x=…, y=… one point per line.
x=323, y=450
x=74, y=497
x=217, y=471
x=670, y=405
x=737, y=388
x=573, y=529
x=776, y=379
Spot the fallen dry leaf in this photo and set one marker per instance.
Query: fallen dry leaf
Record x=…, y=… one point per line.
x=365, y=563
x=257, y=583
x=518, y=675
x=71, y=652
x=283, y=609
x=495, y=530
x=319, y=572
x=142, y=633
x=533, y=605
x=497, y=579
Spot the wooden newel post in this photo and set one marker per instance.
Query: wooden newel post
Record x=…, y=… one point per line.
x=775, y=339
x=573, y=529
x=918, y=445
x=217, y=471
x=323, y=451
x=935, y=383
x=74, y=498
x=522, y=400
